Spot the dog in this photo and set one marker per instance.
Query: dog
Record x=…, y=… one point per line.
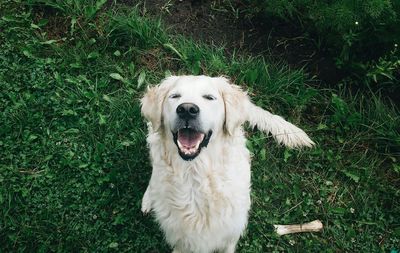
x=199, y=188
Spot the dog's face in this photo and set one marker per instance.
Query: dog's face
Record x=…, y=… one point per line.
x=191, y=110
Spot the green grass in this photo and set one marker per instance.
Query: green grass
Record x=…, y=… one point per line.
x=73, y=156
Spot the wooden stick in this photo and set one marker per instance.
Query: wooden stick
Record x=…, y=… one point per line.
x=313, y=226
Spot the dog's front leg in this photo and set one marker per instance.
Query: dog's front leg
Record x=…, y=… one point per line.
x=146, y=201
x=231, y=246
x=283, y=131
x=147, y=198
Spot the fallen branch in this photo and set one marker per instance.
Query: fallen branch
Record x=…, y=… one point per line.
x=313, y=226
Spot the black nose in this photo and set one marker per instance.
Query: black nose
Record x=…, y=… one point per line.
x=187, y=111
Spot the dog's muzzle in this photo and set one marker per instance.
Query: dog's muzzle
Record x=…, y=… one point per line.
x=188, y=138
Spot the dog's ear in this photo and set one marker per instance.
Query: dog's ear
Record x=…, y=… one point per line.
x=236, y=102
x=153, y=101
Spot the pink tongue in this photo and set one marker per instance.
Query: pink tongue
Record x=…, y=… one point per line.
x=188, y=137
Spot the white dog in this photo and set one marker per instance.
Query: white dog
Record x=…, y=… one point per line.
x=200, y=184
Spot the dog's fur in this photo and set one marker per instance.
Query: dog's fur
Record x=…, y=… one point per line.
x=202, y=201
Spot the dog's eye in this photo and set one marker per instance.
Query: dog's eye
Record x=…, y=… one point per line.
x=209, y=97
x=175, y=96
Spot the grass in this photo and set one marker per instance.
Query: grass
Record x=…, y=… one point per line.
x=73, y=157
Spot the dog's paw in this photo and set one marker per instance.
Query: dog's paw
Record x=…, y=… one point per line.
x=145, y=208
x=146, y=203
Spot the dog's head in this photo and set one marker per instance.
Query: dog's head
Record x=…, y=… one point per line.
x=193, y=110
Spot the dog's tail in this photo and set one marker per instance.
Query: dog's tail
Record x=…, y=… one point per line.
x=283, y=131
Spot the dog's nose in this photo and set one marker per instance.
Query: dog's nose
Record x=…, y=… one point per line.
x=187, y=111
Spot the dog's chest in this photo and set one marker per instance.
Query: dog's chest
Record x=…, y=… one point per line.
x=196, y=195
x=195, y=200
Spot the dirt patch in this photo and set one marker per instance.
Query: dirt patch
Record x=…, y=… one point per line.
x=56, y=26
x=213, y=23
x=201, y=20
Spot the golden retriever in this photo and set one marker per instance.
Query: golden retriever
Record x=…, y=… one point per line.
x=199, y=189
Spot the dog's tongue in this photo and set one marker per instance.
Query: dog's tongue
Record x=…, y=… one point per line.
x=189, y=138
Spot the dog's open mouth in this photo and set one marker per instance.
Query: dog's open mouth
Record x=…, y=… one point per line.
x=190, y=142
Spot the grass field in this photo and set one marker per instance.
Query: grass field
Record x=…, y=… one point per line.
x=73, y=156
